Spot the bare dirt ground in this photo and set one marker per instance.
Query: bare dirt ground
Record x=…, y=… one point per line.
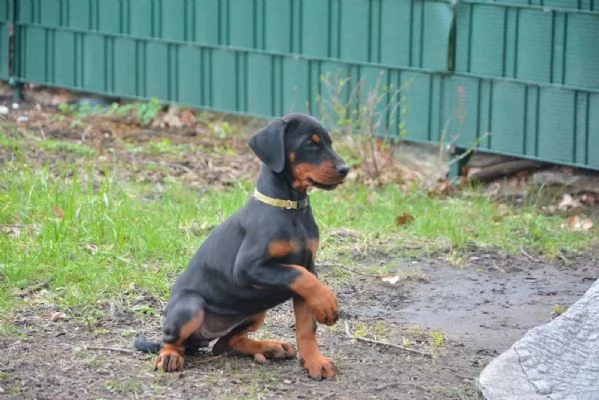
x=480, y=309
x=481, y=312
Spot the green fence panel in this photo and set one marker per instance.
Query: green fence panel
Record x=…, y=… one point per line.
x=583, y=5
x=524, y=120
x=508, y=122
x=347, y=30
x=581, y=57
x=556, y=128
x=315, y=28
x=279, y=33
x=460, y=115
x=589, y=142
x=528, y=44
x=190, y=74
x=297, y=86
x=6, y=15
x=526, y=75
x=480, y=39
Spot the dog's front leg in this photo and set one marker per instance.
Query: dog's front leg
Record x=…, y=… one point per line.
x=317, y=365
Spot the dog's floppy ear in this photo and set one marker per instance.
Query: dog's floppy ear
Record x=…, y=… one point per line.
x=269, y=145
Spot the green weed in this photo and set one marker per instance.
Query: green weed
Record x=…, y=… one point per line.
x=558, y=309
x=143, y=112
x=436, y=338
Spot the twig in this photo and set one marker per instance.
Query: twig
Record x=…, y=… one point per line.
x=388, y=385
x=381, y=343
x=34, y=288
x=498, y=268
x=172, y=165
x=110, y=349
x=350, y=269
x=180, y=166
x=525, y=254
x=563, y=257
x=212, y=358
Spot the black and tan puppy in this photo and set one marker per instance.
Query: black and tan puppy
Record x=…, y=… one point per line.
x=260, y=257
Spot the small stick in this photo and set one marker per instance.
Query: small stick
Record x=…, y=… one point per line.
x=388, y=385
x=563, y=257
x=350, y=269
x=211, y=358
x=498, y=268
x=381, y=343
x=34, y=288
x=531, y=258
x=110, y=349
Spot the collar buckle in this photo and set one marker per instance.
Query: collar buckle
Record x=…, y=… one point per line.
x=281, y=203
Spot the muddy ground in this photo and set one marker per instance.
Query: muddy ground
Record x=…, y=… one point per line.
x=480, y=309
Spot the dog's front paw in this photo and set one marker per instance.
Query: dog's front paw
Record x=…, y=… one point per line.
x=170, y=359
x=319, y=366
x=323, y=305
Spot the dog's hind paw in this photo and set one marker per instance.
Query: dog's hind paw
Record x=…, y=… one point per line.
x=170, y=359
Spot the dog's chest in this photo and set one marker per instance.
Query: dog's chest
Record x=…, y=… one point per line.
x=304, y=242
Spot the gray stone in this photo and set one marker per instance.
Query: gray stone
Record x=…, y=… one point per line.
x=556, y=361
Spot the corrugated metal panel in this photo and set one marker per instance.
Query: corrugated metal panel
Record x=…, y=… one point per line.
x=528, y=44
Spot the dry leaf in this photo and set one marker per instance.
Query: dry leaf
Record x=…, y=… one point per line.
x=589, y=200
x=443, y=188
x=404, y=219
x=172, y=120
x=92, y=248
x=58, y=212
x=391, y=279
x=345, y=233
x=188, y=118
x=578, y=224
x=549, y=209
x=11, y=230
x=58, y=316
x=567, y=202
x=503, y=210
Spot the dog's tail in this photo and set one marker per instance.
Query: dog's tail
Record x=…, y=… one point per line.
x=145, y=346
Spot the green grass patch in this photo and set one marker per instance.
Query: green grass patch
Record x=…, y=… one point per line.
x=18, y=145
x=59, y=146
x=454, y=223
x=93, y=238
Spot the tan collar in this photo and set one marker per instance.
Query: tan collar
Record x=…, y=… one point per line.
x=286, y=204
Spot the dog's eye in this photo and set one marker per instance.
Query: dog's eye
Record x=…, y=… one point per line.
x=310, y=144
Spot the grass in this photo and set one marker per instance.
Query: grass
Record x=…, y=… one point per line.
x=88, y=237
x=97, y=238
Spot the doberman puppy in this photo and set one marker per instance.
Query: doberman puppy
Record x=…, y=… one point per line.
x=261, y=256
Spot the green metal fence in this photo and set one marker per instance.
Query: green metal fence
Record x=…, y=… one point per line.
x=524, y=70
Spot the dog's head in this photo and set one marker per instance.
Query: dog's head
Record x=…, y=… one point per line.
x=298, y=145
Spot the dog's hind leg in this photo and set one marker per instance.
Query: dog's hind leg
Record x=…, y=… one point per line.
x=239, y=342
x=184, y=317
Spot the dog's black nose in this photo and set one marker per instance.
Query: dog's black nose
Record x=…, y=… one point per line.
x=342, y=169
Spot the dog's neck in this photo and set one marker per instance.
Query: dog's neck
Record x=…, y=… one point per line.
x=277, y=185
